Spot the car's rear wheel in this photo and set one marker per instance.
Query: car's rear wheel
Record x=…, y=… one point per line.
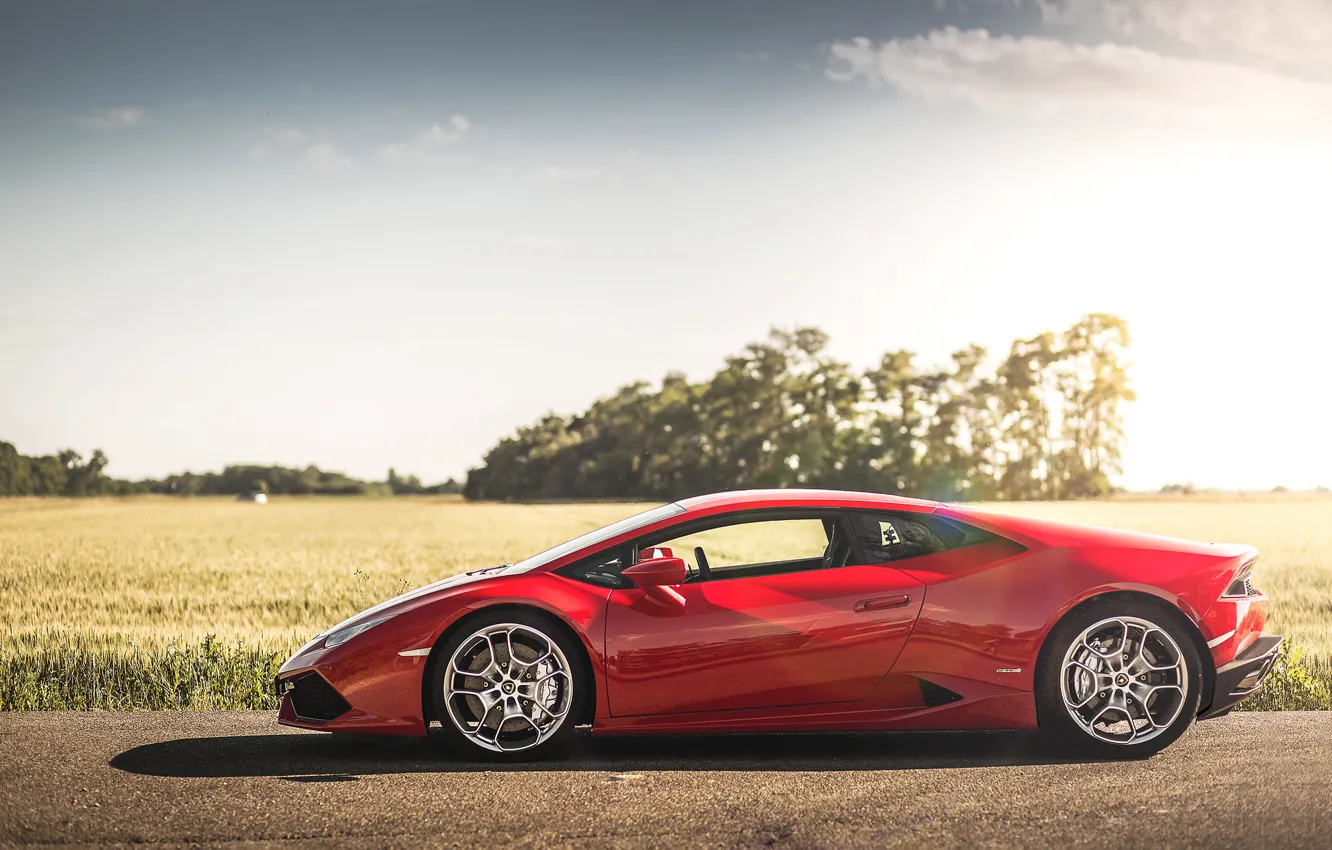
x=507, y=685
x=1119, y=678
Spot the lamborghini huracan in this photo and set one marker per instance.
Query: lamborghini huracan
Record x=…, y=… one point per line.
x=790, y=610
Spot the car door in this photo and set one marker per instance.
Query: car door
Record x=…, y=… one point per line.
x=773, y=620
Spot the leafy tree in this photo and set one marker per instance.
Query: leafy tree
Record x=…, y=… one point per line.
x=14, y=480
x=1043, y=423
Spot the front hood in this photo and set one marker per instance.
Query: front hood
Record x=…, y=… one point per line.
x=394, y=605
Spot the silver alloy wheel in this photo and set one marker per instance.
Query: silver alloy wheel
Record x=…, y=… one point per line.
x=1123, y=680
x=508, y=687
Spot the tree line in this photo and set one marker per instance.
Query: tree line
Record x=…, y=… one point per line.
x=1043, y=422
x=65, y=473
x=68, y=474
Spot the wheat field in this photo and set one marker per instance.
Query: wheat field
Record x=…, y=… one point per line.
x=94, y=579
x=158, y=568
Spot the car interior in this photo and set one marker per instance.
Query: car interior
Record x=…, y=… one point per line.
x=774, y=542
x=726, y=548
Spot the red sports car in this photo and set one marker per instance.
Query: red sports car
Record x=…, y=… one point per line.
x=788, y=610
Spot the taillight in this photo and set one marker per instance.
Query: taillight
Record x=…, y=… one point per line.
x=1242, y=587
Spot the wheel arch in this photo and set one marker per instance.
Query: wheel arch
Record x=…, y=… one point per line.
x=1174, y=611
x=589, y=707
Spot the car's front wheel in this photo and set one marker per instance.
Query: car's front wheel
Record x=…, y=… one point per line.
x=1119, y=678
x=507, y=685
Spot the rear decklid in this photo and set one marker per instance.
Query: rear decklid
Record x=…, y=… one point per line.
x=1068, y=535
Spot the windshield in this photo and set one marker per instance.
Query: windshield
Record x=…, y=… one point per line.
x=594, y=537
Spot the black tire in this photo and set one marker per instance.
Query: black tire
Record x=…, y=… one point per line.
x=1146, y=727
x=572, y=686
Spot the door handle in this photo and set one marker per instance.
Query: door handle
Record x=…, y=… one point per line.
x=879, y=603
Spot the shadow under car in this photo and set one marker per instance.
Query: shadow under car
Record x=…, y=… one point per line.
x=324, y=758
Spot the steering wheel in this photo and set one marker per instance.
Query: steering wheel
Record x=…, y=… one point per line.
x=701, y=559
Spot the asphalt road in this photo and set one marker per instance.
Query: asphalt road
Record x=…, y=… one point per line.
x=1252, y=780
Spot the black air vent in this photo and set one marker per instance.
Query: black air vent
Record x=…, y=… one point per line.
x=937, y=694
x=315, y=699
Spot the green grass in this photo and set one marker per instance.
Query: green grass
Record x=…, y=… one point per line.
x=61, y=671
x=1297, y=683
x=163, y=603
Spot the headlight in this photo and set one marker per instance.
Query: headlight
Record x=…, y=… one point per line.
x=341, y=636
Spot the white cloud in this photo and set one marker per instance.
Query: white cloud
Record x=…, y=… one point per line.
x=424, y=144
x=1040, y=75
x=1292, y=34
x=311, y=147
x=113, y=119
x=624, y=166
x=326, y=157
x=279, y=139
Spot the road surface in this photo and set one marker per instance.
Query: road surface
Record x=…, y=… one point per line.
x=1255, y=780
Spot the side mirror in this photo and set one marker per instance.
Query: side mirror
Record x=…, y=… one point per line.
x=657, y=572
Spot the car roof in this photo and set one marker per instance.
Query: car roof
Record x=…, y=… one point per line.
x=788, y=498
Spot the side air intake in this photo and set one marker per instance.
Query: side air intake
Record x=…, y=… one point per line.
x=936, y=694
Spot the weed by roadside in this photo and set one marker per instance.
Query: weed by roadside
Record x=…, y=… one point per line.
x=1298, y=682
x=61, y=671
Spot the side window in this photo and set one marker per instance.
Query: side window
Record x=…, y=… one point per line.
x=602, y=569
x=751, y=548
x=893, y=537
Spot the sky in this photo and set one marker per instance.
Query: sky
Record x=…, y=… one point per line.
x=366, y=235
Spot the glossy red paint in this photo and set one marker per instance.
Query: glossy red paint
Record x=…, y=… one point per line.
x=1235, y=622
x=656, y=572
x=834, y=648
x=778, y=640
x=385, y=687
